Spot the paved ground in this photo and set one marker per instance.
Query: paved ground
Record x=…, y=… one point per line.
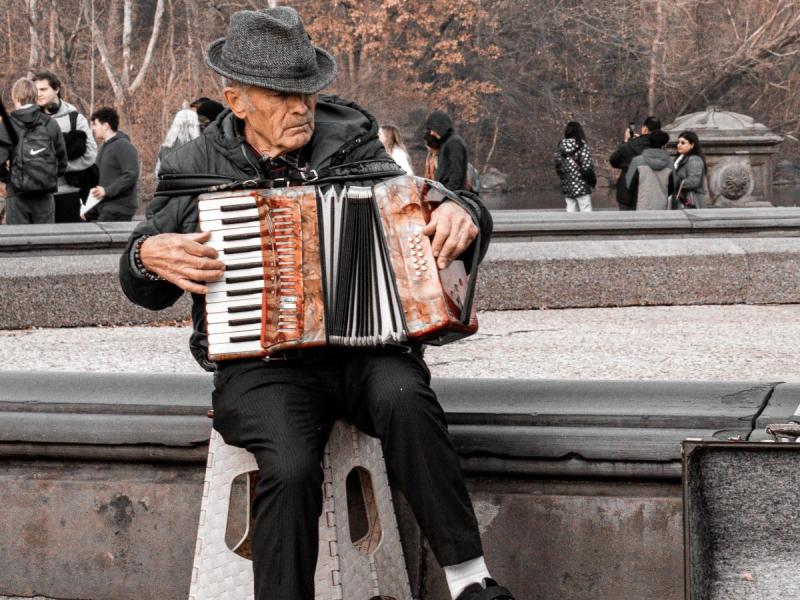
x=700, y=342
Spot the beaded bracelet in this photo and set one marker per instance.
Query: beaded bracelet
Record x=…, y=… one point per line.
x=138, y=265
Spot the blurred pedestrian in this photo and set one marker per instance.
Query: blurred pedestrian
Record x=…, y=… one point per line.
x=634, y=145
x=690, y=170
x=81, y=174
x=207, y=112
x=35, y=162
x=393, y=142
x=449, y=150
x=575, y=169
x=184, y=128
x=118, y=162
x=649, y=177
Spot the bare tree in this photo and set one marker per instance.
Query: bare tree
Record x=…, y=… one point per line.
x=120, y=78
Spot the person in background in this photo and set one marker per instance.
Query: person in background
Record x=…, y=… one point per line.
x=450, y=150
x=118, y=163
x=621, y=158
x=649, y=177
x=32, y=164
x=575, y=169
x=81, y=147
x=690, y=170
x=207, y=112
x=184, y=128
x=195, y=103
x=393, y=142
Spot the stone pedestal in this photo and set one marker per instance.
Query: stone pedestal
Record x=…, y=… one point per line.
x=740, y=156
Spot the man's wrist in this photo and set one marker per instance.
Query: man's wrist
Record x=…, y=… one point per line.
x=137, y=266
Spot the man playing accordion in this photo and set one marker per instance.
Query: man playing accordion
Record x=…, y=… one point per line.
x=279, y=128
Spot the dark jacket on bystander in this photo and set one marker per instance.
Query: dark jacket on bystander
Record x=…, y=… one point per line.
x=118, y=162
x=621, y=159
x=451, y=170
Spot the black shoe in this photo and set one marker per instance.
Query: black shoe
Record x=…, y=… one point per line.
x=492, y=591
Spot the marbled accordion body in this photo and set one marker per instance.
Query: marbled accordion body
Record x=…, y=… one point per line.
x=311, y=266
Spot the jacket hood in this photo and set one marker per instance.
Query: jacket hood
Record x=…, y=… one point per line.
x=63, y=109
x=568, y=146
x=657, y=158
x=29, y=116
x=439, y=122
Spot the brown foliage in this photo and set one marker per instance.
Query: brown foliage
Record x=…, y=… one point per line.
x=511, y=72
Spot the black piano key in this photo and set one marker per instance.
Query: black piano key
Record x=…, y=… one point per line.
x=244, y=292
x=234, y=207
x=249, y=307
x=236, y=322
x=241, y=266
x=240, y=236
x=238, y=339
x=242, y=249
x=234, y=220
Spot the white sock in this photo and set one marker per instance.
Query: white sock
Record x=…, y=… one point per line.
x=466, y=573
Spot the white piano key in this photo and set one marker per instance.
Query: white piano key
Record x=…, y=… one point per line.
x=217, y=203
x=218, y=215
x=218, y=235
x=221, y=246
x=223, y=286
x=222, y=307
x=221, y=348
x=215, y=328
x=217, y=225
x=227, y=338
x=224, y=297
x=253, y=255
x=227, y=317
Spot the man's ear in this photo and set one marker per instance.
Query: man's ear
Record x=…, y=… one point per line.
x=234, y=96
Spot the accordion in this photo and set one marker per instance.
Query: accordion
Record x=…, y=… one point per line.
x=344, y=265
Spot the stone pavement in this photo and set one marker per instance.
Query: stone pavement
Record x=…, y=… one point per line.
x=736, y=342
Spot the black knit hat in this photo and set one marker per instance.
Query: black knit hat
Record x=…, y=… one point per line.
x=270, y=48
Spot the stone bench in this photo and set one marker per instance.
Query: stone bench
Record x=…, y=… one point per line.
x=102, y=476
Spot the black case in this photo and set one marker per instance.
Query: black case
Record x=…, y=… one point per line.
x=741, y=503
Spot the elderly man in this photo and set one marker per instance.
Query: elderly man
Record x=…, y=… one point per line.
x=282, y=410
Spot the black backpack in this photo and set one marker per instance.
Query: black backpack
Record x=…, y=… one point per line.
x=74, y=139
x=34, y=166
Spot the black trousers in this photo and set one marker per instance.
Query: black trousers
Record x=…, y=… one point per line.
x=283, y=411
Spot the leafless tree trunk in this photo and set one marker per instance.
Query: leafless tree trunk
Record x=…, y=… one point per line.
x=121, y=84
x=33, y=26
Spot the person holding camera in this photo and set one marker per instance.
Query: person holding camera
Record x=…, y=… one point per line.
x=621, y=159
x=575, y=169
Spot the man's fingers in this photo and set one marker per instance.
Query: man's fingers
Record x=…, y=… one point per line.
x=190, y=286
x=442, y=232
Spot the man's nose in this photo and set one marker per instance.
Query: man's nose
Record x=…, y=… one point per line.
x=300, y=103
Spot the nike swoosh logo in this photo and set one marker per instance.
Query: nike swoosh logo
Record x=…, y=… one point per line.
x=35, y=152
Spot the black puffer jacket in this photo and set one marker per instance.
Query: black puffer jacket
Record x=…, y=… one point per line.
x=451, y=170
x=343, y=133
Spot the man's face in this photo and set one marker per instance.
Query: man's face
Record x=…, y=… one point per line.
x=100, y=130
x=275, y=122
x=47, y=94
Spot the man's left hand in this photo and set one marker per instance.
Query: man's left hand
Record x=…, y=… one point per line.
x=98, y=192
x=453, y=231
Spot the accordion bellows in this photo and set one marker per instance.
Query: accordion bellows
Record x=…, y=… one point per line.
x=345, y=265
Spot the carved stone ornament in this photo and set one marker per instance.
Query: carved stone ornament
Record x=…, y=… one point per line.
x=734, y=181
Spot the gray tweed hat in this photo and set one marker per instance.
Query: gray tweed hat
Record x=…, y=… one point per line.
x=270, y=48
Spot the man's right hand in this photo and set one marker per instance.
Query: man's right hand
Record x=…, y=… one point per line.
x=182, y=259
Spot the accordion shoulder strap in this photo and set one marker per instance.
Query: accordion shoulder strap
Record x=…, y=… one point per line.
x=184, y=184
